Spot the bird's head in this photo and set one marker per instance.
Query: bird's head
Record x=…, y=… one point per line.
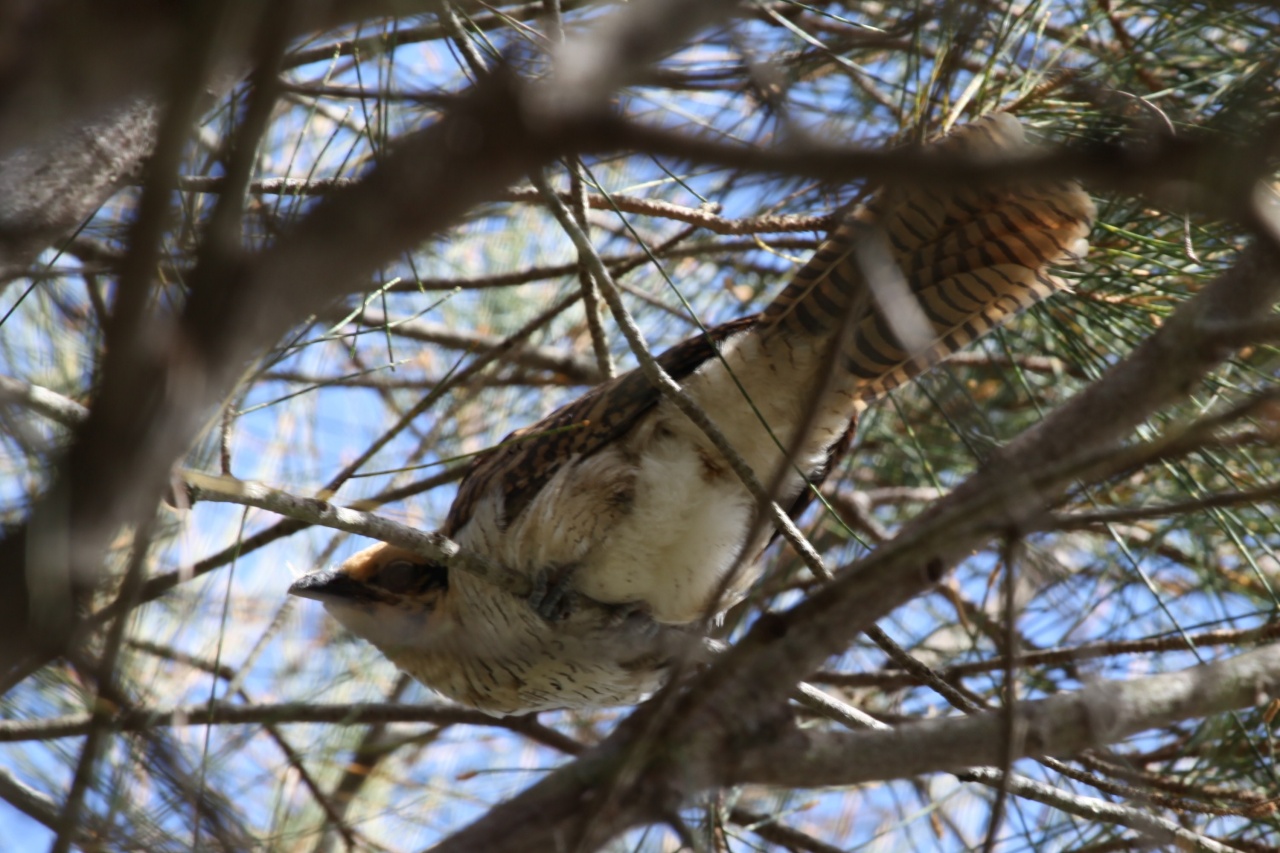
x=385, y=594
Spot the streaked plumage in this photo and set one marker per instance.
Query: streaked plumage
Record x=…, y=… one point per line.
x=619, y=493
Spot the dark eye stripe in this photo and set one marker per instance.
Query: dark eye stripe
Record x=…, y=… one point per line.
x=405, y=577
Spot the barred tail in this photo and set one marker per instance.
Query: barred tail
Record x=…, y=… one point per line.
x=925, y=272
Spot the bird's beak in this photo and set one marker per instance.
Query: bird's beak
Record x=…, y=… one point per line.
x=328, y=585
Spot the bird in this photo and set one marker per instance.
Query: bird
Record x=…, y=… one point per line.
x=619, y=498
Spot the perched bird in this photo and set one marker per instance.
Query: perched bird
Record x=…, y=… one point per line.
x=620, y=498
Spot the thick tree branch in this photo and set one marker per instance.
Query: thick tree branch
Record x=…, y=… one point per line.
x=1003, y=493
x=1100, y=714
x=46, y=192
x=739, y=700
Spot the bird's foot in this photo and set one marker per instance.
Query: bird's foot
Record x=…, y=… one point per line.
x=632, y=613
x=553, y=596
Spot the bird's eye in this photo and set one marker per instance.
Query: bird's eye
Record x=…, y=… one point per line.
x=399, y=576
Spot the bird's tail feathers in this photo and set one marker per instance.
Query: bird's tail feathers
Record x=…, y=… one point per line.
x=920, y=272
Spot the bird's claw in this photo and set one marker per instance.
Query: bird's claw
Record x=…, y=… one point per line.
x=632, y=612
x=553, y=596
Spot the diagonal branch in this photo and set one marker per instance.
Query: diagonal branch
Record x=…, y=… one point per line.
x=154, y=403
x=157, y=394
x=1100, y=714
x=740, y=699
x=1003, y=494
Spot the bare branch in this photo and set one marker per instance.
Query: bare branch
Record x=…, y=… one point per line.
x=740, y=698
x=1097, y=715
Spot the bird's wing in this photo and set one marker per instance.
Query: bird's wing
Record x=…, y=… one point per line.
x=969, y=257
x=527, y=458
